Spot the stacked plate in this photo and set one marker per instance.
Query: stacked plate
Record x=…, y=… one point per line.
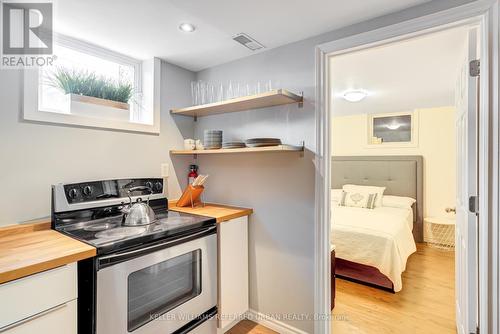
x=212, y=139
x=233, y=144
x=261, y=142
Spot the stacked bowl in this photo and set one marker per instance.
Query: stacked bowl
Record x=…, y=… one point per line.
x=212, y=139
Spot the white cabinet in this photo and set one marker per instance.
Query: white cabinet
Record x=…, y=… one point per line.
x=40, y=303
x=60, y=319
x=233, y=272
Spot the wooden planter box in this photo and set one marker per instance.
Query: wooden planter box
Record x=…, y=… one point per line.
x=98, y=108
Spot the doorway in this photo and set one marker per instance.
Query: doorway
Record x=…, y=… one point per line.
x=379, y=37
x=403, y=131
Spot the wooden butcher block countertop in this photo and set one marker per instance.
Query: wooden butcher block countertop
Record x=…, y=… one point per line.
x=220, y=212
x=28, y=249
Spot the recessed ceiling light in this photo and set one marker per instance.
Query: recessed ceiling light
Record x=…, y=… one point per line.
x=187, y=27
x=354, y=95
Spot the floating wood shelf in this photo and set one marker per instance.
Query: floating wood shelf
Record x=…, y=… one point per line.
x=262, y=100
x=279, y=148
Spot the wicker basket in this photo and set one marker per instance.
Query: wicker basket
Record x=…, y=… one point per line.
x=440, y=232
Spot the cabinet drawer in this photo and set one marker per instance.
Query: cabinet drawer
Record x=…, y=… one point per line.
x=28, y=296
x=60, y=319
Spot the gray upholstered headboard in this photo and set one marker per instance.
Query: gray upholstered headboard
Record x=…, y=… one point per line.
x=401, y=175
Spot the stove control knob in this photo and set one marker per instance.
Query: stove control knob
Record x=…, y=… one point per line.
x=158, y=186
x=73, y=193
x=149, y=184
x=87, y=190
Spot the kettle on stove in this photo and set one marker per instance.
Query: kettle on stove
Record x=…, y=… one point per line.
x=139, y=213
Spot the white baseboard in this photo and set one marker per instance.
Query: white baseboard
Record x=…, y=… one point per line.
x=271, y=323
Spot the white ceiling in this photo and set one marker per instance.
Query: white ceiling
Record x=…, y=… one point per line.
x=416, y=73
x=149, y=28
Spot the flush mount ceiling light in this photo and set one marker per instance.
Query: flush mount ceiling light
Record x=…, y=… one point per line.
x=354, y=95
x=187, y=27
x=393, y=126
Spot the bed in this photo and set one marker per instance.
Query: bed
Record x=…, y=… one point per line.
x=372, y=245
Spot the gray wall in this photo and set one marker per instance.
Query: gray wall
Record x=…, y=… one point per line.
x=279, y=187
x=34, y=156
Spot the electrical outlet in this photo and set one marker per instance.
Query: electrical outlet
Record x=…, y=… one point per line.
x=165, y=167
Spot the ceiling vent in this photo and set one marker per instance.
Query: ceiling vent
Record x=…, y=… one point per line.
x=248, y=42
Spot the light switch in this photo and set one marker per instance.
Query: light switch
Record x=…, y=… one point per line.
x=165, y=169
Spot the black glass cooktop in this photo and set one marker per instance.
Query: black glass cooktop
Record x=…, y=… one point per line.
x=103, y=228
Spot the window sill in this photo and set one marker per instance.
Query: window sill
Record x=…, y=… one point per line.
x=51, y=117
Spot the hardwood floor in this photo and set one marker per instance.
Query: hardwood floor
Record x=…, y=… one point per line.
x=425, y=305
x=250, y=327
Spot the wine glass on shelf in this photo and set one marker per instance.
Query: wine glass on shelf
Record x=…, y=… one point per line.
x=210, y=93
x=237, y=90
x=194, y=94
x=220, y=93
x=230, y=91
x=248, y=91
x=203, y=92
x=269, y=85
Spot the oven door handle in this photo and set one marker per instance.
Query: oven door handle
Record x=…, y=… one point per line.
x=108, y=260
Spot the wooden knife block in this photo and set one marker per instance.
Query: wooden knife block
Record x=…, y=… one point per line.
x=190, y=196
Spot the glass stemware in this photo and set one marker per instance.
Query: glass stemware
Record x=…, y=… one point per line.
x=203, y=92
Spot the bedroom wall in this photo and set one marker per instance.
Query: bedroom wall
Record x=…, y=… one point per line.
x=436, y=144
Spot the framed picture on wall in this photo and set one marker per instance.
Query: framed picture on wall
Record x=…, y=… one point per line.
x=393, y=129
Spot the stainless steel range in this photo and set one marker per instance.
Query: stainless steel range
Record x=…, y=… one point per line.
x=155, y=270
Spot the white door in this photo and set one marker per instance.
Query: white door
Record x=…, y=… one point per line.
x=466, y=225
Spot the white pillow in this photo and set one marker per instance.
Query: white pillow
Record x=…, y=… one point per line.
x=367, y=190
x=398, y=201
x=336, y=195
x=358, y=199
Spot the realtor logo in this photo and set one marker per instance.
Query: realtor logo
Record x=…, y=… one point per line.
x=27, y=28
x=27, y=38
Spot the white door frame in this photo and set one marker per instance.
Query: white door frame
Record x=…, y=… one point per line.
x=486, y=13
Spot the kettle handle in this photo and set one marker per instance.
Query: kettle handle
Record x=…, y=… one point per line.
x=140, y=188
x=131, y=190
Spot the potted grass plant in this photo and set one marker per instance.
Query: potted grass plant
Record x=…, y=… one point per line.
x=93, y=95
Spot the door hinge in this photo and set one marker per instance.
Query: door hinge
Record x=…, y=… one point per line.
x=474, y=204
x=475, y=68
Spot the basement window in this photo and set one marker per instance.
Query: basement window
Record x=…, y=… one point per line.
x=92, y=86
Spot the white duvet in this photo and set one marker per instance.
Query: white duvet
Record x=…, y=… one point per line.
x=381, y=238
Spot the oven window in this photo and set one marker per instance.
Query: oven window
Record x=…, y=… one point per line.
x=155, y=290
